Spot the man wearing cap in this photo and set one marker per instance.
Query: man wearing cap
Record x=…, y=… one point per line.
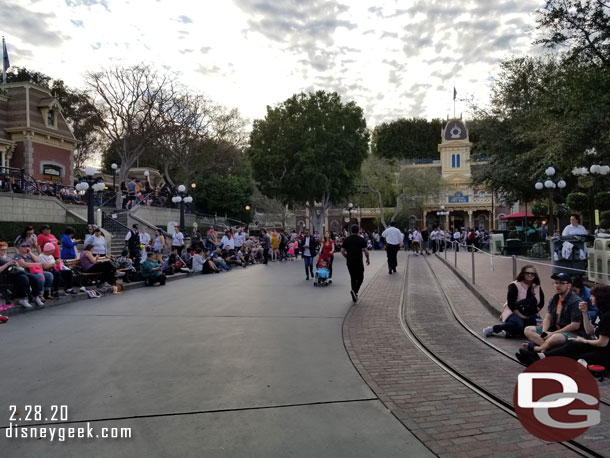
x=132, y=240
x=563, y=320
x=352, y=249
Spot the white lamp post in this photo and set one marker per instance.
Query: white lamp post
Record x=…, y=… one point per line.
x=550, y=185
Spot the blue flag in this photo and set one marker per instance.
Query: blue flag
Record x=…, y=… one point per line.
x=5, y=63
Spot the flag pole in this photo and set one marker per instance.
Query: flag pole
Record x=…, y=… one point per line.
x=5, y=62
x=454, y=94
x=4, y=59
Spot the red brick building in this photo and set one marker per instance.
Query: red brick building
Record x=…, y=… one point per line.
x=34, y=134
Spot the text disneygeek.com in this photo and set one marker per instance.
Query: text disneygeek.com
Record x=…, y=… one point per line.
x=61, y=433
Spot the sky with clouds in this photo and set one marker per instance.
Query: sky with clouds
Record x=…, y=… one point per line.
x=393, y=58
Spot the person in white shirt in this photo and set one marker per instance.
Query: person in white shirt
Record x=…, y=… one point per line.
x=416, y=244
x=393, y=239
x=144, y=241
x=457, y=235
x=99, y=243
x=574, y=228
x=240, y=238
x=178, y=240
x=228, y=240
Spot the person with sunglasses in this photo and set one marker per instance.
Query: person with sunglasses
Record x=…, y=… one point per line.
x=524, y=301
x=594, y=350
x=563, y=321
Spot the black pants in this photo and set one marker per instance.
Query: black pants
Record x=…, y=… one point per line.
x=106, y=269
x=65, y=275
x=356, y=274
x=578, y=350
x=392, y=251
x=266, y=255
x=150, y=281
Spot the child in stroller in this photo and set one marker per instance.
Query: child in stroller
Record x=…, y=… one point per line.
x=322, y=273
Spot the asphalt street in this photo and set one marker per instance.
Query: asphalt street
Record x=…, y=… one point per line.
x=249, y=363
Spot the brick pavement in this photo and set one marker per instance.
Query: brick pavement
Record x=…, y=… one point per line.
x=477, y=316
x=474, y=359
x=493, y=273
x=444, y=414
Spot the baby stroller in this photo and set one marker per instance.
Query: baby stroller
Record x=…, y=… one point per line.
x=322, y=273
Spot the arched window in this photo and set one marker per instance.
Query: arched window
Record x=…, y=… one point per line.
x=453, y=161
x=458, y=161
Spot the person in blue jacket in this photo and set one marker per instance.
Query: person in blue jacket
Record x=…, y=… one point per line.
x=68, y=244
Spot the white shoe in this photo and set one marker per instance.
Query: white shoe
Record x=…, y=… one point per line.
x=38, y=301
x=488, y=331
x=83, y=289
x=24, y=302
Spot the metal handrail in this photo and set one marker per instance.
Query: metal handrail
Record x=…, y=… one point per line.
x=24, y=179
x=113, y=224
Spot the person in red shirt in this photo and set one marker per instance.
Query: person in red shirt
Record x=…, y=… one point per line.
x=45, y=237
x=327, y=251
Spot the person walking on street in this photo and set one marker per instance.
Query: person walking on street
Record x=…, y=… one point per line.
x=309, y=251
x=394, y=239
x=352, y=249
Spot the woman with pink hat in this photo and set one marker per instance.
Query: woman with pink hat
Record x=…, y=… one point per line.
x=57, y=269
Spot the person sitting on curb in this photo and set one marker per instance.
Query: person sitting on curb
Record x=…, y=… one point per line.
x=202, y=263
x=217, y=258
x=151, y=271
x=563, y=320
x=584, y=293
x=593, y=351
x=524, y=301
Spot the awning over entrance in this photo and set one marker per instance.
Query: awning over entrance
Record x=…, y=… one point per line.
x=518, y=215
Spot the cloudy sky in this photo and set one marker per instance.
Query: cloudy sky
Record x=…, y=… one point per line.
x=394, y=58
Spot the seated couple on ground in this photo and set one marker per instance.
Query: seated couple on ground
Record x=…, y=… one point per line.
x=567, y=329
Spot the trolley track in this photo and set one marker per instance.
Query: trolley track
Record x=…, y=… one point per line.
x=472, y=331
x=407, y=307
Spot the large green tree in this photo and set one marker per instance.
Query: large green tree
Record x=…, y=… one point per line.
x=580, y=27
x=413, y=138
x=308, y=150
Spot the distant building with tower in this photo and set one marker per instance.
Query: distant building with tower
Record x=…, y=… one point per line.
x=459, y=205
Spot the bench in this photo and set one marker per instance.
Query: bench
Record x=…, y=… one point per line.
x=83, y=278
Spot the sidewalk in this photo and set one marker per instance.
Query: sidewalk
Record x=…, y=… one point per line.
x=494, y=273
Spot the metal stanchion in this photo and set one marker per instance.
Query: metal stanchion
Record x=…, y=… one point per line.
x=472, y=252
x=445, y=244
x=514, y=266
x=456, y=246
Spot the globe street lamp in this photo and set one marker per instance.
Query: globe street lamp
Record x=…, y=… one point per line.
x=114, y=167
x=595, y=170
x=182, y=198
x=550, y=185
x=90, y=186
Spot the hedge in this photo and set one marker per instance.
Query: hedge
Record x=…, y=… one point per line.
x=9, y=230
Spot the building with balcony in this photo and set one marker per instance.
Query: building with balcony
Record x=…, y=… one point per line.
x=34, y=135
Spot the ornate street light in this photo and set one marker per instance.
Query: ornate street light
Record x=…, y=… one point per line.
x=182, y=198
x=114, y=166
x=551, y=186
x=595, y=170
x=90, y=185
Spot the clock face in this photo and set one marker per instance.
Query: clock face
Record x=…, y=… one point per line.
x=455, y=130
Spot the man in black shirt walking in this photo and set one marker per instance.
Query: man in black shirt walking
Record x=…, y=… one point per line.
x=352, y=249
